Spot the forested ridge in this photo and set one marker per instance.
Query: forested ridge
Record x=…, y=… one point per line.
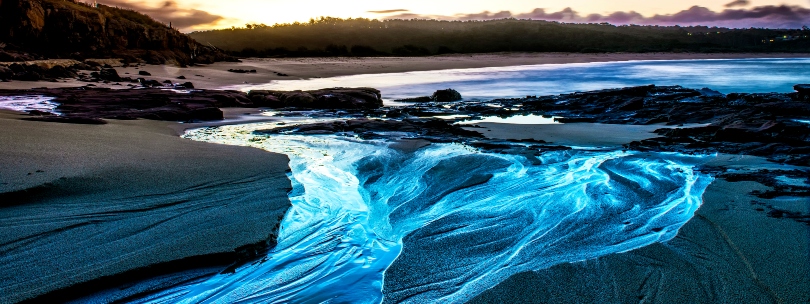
x=367, y=37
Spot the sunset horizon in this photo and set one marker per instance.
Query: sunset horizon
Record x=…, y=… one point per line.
x=191, y=15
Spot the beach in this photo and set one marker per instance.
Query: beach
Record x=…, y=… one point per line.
x=83, y=202
x=216, y=76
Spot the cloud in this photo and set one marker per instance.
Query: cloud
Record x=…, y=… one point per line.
x=169, y=11
x=770, y=16
x=389, y=11
x=736, y=3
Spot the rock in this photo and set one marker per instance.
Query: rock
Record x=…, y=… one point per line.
x=89, y=105
x=334, y=98
x=447, y=95
x=416, y=99
x=181, y=77
x=167, y=82
x=59, y=71
x=241, y=71
x=5, y=73
x=144, y=73
x=187, y=85
x=109, y=75
x=437, y=128
x=803, y=91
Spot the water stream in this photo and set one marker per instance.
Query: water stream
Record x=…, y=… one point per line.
x=458, y=220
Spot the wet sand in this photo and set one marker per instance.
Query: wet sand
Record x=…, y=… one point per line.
x=215, y=76
x=79, y=202
x=730, y=252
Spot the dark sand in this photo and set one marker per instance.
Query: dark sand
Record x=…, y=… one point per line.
x=730, y=252
x=78, y=202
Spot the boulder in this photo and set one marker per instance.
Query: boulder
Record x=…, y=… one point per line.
x=5, y=73
x=109, y=75
x=447, y=95
x=144, y=73
x=803, y=91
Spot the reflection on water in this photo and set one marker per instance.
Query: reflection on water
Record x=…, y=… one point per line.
x=29, y=103
x=530, y=119
x=724, y=75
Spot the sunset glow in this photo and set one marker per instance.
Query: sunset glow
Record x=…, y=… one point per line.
x=239, y=12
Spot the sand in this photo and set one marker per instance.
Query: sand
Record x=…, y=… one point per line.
x=78, y=202
x=730, y=252
x=216, y=75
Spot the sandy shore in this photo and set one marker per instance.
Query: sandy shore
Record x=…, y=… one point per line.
x=730, y=252
x=216, y=75
x=81, y=202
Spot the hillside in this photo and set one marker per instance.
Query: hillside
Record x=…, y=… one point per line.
x=364, y=37
x=38, y=29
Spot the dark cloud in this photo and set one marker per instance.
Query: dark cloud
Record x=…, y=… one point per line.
x=389, y=11
x=169, y=11
x=737, y=3
x=771, y=16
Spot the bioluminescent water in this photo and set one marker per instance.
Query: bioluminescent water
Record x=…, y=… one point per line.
x=724, y=75
x=458, y=219
x=29, y=103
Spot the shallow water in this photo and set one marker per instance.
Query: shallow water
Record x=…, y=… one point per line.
x=356, y=203
x=29, y=103
x=724, y=75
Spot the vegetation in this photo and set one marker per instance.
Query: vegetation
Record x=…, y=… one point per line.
x=365, y=37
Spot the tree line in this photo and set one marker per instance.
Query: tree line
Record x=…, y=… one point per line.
x=329, y=36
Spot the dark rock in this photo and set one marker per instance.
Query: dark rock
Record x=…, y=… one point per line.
x=144, y=73
x=334, y=98
x=61, y=72
x=447, y=95
x=187, y=85
x=181, y=77
x=167, y=81
x=803, y=91
x=5, y=73
x=87, y=105
x=241, y=71
x=108, y=74
x=416, y=99
x=436, y=128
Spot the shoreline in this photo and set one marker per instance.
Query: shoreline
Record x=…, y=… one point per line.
x=78, y=196
x=217, y=76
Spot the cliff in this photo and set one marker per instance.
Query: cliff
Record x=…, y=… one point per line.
x=37, y=29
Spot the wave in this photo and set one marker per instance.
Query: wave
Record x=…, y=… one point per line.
x=370, y=223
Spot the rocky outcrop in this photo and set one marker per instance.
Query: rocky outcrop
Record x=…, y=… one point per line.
x=334, y=98
x=436, y=129
x=91, y=105
x=803, y=91
x=447, y=95
x=66, y=29
x=87, y=105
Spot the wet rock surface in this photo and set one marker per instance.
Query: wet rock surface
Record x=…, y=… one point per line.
x=771, y=125
x=435, y=129
x=333, y=98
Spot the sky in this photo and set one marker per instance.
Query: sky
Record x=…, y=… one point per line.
x=191, y=15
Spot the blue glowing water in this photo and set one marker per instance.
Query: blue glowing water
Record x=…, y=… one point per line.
x=724, y=75
x=484, y=215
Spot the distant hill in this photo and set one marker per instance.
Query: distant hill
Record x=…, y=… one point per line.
x=38, y=29
x=364, y=37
